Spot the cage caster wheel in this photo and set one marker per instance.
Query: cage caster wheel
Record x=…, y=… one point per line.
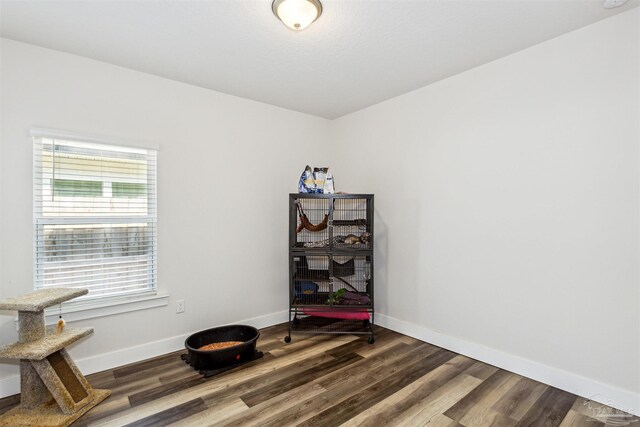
x=371, y=340
x=287, y=339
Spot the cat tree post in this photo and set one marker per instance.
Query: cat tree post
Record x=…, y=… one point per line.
x=53, y=390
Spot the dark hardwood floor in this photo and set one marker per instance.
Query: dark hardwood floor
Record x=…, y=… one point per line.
x=328, y=380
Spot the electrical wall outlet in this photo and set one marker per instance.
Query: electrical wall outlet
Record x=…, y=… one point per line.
x=180, y=306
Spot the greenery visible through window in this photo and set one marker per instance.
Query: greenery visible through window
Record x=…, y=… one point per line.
x=128, y=189
x=77, y=188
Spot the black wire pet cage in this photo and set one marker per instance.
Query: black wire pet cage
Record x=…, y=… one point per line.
x=331, y=264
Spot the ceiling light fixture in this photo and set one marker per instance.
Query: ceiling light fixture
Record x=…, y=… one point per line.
x=297, y=14
x=610, y=4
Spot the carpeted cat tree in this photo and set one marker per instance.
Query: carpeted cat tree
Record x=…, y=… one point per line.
x=53, y=390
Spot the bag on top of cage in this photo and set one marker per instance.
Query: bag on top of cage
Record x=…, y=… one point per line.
x=319, y=177
x=306, y=184
x=328, y=183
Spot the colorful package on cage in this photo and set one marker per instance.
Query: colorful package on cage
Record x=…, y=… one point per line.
x=319, y=177
x=328, y=183
x=306, y=184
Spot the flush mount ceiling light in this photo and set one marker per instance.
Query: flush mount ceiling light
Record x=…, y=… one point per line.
x=610, y=4
x=297, y=14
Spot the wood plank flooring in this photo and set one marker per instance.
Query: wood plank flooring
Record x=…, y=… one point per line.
x=329, y=380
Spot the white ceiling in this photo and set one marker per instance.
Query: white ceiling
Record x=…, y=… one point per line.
x=358, y=53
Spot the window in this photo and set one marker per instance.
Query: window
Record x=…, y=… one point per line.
x=94, y=217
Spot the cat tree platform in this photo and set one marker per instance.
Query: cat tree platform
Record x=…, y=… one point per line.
x=54, y=393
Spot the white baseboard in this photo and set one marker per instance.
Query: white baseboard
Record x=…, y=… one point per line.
x=9, y=386
x=615, y=397
x=89, y=365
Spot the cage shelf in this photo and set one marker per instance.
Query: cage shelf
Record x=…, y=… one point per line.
x=316, y=324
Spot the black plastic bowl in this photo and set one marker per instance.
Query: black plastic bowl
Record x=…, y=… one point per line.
x=213, y=359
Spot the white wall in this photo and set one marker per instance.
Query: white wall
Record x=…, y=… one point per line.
x=507, y=202
x=225, y=167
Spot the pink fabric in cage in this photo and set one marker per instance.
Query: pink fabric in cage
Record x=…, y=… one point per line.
x=347, y=315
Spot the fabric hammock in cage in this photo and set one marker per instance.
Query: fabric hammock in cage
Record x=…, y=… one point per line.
x=305, y=224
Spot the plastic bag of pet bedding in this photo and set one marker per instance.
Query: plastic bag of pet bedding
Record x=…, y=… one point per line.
x=323, y=179
x=307, y=184
x=319, y=177
x=328, y=183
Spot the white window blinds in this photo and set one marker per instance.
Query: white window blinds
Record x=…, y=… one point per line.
x=94, y=217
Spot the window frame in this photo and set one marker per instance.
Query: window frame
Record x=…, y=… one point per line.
x=99, y=305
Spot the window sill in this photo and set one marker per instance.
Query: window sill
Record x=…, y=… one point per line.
x=72, y=312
